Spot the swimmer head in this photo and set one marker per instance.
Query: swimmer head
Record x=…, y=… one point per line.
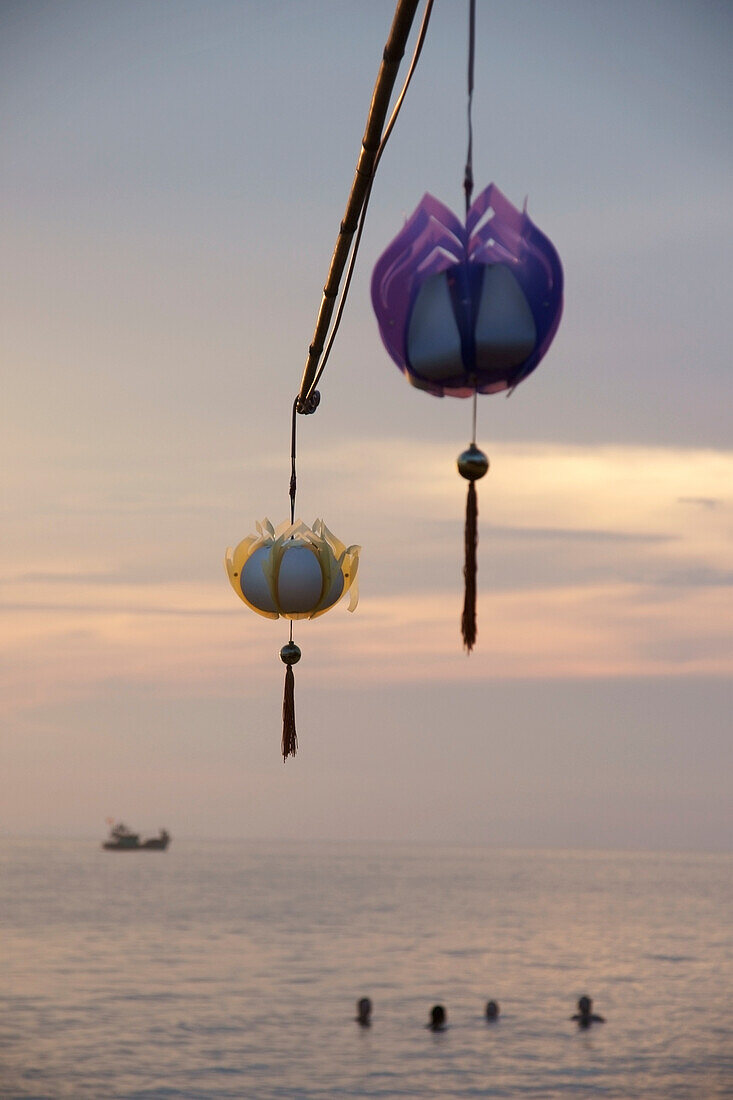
x=364, y=1012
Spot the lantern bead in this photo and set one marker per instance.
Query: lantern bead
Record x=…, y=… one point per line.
x=290, y=653
x=472, y=463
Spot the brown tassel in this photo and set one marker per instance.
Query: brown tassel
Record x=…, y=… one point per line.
x=289, y=655
x=468, y=620
x=472, y=465
x=290, y=740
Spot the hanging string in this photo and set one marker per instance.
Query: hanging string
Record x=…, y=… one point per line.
x=290, y=653
x=308, y=388
x=308, y=398
x=468, y=174
x=473, y=463
x=293, y=475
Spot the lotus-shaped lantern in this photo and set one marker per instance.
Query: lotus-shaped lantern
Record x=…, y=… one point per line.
x=293, y=571
x=465, y=309
x=468, y=309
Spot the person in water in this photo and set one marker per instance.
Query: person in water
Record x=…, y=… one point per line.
x=437, y=1018
x=364, y=1012
x=492, y=1011
x=585, y=1015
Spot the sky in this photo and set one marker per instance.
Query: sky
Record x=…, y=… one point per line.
x=174, y=175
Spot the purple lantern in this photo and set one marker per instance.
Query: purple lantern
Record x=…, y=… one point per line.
x=466, y=309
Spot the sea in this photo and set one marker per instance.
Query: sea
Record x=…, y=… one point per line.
x=231, y=969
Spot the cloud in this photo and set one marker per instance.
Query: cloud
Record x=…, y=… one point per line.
x=700, y=577
x=587, y=567
x=577, y=632
x=621, y=502
x=573, y=534
x=71, y=578
x=701, y=502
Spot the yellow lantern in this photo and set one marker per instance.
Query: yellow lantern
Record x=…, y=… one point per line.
x=292, y=572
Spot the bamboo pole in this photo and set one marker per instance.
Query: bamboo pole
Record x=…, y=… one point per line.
x=393, y=53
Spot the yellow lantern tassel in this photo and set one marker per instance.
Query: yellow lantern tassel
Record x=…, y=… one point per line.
x=290, y=740
x=289, y=655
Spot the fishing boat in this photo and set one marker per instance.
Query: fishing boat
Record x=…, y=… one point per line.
x=122, y=839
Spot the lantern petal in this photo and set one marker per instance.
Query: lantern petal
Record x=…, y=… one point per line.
x=510, y=236
x=432, y=240
x=235, y=558
x=506, y=333
x=256, y=584
x=433, y=343
x=337, y=547
x=236, y=563
x=494, y=223
x=332, y=580
x=265, y=529
x=350, y=569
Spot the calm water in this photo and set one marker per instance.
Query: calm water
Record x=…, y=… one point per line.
x=232, y=970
